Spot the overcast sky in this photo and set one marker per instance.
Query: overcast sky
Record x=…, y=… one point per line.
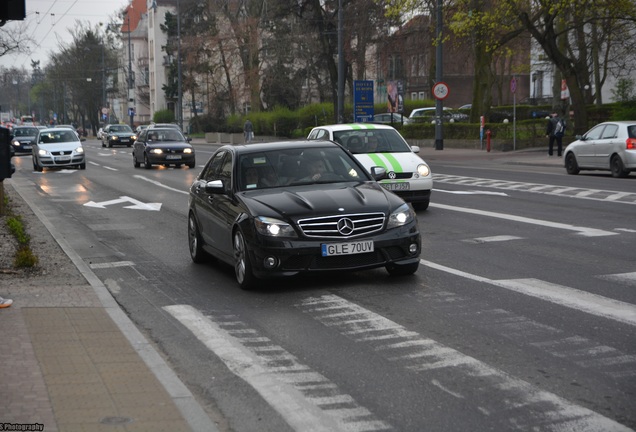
x=48, y=22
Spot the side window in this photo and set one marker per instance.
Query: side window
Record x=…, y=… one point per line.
x=211, y=171
x=142, y=135
x=610, y=131
x=225, y=172
x=595, y=133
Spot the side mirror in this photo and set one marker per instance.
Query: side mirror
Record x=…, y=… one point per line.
x=415, y=149
x=215, y=187
x=378, y=172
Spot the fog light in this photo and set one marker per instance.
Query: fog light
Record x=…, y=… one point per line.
x=270, y=262
x=413, y=248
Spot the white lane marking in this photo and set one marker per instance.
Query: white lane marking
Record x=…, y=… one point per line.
x=111, y=264
x=304, y=398
x=626, y=278
x=498, y=238
x=492, y=388
x=93, y=163
x=569, y=297
x=584, y=231
x=472, y=192
x=110, y=168
x=155, y=182
x=629, y=230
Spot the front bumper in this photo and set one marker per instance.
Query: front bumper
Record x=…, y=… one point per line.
x=171, y=159
x=61, y=161
x=301, y=256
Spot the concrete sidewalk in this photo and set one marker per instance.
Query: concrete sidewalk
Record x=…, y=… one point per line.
x=71, y=360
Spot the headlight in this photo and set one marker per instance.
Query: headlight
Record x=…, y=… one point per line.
x=79, y=150
x=273, y=227
x=113, y=137
x=401, y=216
x=423, y=170
x=134, y=137
x=156, y=151
x=16, y=143
x=42, y=152
x=187, y=150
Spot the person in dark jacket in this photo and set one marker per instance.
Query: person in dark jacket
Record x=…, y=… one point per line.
x=554, y=131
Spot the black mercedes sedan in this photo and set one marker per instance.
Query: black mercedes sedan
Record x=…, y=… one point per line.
x=282, y=208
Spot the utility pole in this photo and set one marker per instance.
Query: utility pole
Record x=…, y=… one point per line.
x=179, y=89
x=341, y=65
x=439, y=76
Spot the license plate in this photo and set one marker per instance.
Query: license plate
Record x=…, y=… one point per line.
x=125, y=140
x=332, y=249
x=396, y=186
x=63, y=159
x=173, y=157
x=27, y=147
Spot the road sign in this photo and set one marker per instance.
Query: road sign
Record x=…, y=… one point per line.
x=363, y=101
x=441, y=90
x=513, y=85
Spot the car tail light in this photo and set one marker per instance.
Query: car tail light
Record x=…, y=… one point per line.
x=631, y=144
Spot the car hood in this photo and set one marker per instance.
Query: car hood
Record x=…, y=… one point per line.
x=328, y=199
x=60, y=146
x=396, y=162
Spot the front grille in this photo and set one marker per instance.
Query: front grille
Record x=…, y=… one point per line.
x=400, y=176
x=342, y=226
x=62, y=153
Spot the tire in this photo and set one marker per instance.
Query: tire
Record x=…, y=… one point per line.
x=617, y=167
x=242, y=265
x=110, y=145
x=402, y=270
x=82, y=166
x=192, y=165
x=136, y=163
x=422, y=205
x=36, y=167
x=103, y=145
x=147, y=163
x=571, y=166
x=195, y=243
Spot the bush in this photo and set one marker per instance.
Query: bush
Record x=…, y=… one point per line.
x=24, y=257
x=17, y=229
x=163, y=116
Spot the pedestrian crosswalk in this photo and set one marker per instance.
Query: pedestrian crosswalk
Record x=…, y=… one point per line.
x=306, y=396
x=573, y=192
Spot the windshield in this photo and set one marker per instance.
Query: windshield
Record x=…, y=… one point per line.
x=25, y=132
x=280, y=168
x=58, y=136
x=372, y=141
x=120, y=128
x=165, y=135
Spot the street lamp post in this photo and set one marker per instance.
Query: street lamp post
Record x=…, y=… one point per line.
x=179, y=89
x=130, y=77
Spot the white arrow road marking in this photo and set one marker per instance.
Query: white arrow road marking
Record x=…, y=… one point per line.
x=584, y=231
x=137, y=205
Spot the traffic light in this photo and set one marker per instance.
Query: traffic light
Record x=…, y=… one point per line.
x=6, y=153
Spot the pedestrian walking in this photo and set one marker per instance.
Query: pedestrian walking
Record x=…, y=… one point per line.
x=248, y=131
x=555, y=129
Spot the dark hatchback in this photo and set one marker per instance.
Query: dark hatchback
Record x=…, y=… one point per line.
x=278, y=209
x=23, y=138
x=118, y=134
x=163, y=146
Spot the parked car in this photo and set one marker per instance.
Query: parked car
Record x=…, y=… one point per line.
x=391, y=118
x=23, y=138
x=609, y=146
x=58, y=148
x=428, y=115
x=163, y=146
x=407, y=174
x=337, y=218
x=118, y=134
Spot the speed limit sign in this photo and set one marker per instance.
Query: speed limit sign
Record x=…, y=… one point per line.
x=441, y=90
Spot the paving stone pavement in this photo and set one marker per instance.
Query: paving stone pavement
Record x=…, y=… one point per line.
x=71, y=360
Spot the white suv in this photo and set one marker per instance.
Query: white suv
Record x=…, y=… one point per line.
x=379, y=145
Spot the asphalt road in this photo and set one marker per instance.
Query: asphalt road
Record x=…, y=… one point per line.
x=522, y=315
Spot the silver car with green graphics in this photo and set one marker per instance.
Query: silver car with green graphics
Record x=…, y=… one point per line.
x=380, y=145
